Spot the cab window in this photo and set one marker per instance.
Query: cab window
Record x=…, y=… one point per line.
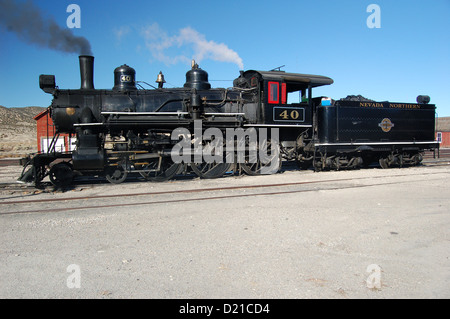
x=274, y=97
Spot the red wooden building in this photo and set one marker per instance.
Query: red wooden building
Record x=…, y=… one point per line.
x=443, y=131
x=46, y=132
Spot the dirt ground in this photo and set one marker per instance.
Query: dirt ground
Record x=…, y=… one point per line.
x=371, y=234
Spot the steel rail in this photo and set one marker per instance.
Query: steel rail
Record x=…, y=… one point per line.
x=199, y=190
x=205, y=198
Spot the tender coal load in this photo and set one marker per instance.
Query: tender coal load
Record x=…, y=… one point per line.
x=356, y=98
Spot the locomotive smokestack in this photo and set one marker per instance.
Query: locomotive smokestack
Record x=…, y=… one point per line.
x=87, y=72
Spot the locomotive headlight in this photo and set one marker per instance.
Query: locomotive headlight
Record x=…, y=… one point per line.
x=70, y=111
x=47, y=83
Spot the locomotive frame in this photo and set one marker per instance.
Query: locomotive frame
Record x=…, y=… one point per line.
x=129, y=129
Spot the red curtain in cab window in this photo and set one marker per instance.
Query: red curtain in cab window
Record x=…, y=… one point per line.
x=274, y=89
x=273, y=93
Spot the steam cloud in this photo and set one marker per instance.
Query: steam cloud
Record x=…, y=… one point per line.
x=158, y=42
x=27, y=22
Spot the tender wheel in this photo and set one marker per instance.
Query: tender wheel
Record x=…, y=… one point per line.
x=154, y=173
x=367, y=160
x=116, y=174
x=270, y=163
x=417, y=159
x=61, y=174
x=383, y=163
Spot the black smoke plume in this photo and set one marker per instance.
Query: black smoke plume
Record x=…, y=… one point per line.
x=26, y=20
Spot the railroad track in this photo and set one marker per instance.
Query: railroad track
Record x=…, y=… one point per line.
x=84, y=181
x=442, y=153
x=9, y=162
x=215, y=193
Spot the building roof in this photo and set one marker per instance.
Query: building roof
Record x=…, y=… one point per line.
x=40, y=115
x=443, y=124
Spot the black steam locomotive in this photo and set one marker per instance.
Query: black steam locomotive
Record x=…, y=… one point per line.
x=130, y=129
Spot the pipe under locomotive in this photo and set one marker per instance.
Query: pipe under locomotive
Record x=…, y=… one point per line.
x=129, y=129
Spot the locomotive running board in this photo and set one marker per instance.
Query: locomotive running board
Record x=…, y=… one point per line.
x=145, y=113
x=277, y=125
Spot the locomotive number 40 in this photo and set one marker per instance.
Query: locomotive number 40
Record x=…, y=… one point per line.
x=125, y=78
x=291, y=114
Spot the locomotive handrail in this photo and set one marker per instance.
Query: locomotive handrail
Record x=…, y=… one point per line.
x=170, y=101
x=88, y=124
x=224, y=114
x=145, y=113
x=279, y=125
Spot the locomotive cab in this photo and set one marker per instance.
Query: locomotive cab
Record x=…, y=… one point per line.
x=275, y=88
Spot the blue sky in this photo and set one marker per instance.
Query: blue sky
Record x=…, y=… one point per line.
x=407, y=56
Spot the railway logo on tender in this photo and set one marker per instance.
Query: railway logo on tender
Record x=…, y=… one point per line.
x=386, y=125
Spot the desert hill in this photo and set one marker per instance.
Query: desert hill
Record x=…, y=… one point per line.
x=18, y=130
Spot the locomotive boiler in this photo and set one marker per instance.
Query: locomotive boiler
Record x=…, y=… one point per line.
x=129, y=129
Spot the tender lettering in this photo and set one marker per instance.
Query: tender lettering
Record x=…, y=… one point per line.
x=404, y=106
x=370, y=104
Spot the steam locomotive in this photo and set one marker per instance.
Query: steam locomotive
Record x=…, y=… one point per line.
x=129, y=129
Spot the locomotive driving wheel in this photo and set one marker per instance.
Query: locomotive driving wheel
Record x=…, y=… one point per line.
x=159, y=169
x=211, y=168
x=269, y=163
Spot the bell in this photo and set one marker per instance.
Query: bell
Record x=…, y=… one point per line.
x=160, y=80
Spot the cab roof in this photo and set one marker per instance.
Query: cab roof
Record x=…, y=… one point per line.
x=302, y=80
